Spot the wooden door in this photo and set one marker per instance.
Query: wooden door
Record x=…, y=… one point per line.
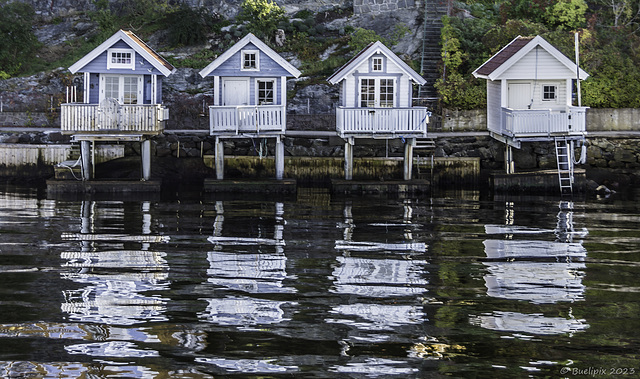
x=519, y=95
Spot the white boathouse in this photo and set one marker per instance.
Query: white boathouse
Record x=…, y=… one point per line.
x=530, y=87
x=121, y=98
x=376, y=102
x=250, y=97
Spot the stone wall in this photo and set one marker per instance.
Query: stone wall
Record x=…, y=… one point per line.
x=380, y=6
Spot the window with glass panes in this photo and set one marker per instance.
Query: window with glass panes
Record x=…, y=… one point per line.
x=266, y=92
x=548, y=93
x=376, y=93
x=367, y=93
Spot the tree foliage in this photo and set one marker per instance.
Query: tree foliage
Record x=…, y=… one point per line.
x=263, y=16
x=609, y=46
x=18, y=44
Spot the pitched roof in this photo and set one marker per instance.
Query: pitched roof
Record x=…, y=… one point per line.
x=250, y=38
x=135, y=43
x=366, y=53
x=517, y=49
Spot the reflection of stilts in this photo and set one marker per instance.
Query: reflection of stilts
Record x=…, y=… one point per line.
x=219, y=240
x=347, y=242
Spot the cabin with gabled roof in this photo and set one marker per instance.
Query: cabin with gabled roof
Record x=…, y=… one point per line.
x=250, y=96
x=376, y=101
x=530, y=86
x=529, y=91
x=122, y=97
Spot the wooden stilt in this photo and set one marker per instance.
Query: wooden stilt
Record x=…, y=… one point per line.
x=408, y=158
x=219, y=152
x=279, y=158
x=508, y=159
x=145, y=149
x=85, y=153
x=348, y=158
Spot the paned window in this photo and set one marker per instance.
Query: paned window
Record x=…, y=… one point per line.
x=549, y=93
x=250, y=60
x=121, y=58
x=367, y=93
x=266, y=92
x=124, y=88
x=378, y=92
x=377, y=64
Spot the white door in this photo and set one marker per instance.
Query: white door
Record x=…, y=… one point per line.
x=235, y=91
x=519, y=95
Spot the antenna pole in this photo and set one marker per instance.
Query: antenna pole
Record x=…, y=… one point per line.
x=578, y=70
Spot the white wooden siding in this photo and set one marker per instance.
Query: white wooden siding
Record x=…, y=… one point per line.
x=494, y=101
x=544, y=66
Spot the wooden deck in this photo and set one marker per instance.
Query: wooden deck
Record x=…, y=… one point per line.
x=370, y=122
x=247, y=119
x=531, y=123
x=145, y=119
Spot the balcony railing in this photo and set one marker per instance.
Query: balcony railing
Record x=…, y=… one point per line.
x=382, y=121
x=94, y=118
x=542, y=122
x=249, y=119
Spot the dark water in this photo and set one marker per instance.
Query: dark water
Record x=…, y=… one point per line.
x=316, y=286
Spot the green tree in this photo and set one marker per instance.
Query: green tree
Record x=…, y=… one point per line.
x=567, y=14
x=18, y=43
x=263, y=16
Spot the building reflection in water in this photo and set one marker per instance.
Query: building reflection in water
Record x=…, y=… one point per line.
x=114, y=279
x=247, y=266
x=387, y=279
x=537, y=271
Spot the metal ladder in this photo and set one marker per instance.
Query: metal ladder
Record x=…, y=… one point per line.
x=564, y=157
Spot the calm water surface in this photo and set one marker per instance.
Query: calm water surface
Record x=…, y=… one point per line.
x=195, y=285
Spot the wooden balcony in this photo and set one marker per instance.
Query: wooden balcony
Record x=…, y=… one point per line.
x=247, y=119
x=121, y=119
x=523, y=123
x=382, y=122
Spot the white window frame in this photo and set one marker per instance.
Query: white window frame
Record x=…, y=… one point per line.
x=114, y=65
x=377, y=93
x=555, y=93
x=275, y=95
x=377, y=61
x=139, y=99
x=243, y=54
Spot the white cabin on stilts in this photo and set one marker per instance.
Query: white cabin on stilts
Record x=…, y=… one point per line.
x=376, y=102
x=250, y=97
x=529, y=98
x=121, y=101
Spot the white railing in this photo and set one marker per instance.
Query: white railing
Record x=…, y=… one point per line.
x=370, y=121
x=537, y=122
x=247, y=119
x=92, y=118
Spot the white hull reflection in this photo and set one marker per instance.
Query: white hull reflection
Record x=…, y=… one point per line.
x=245, y=241
x=496, y=249
x=536, y=282
x=114, y=237
x=375, y=246
x=529, y=323
x=514, y=229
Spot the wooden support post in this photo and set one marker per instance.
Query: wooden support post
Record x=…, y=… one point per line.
x=145, y=152
x=85, y=154
x=508, y=159
x=348, y=158
x=279, y=158
x=219, y=152
x=408, y=158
